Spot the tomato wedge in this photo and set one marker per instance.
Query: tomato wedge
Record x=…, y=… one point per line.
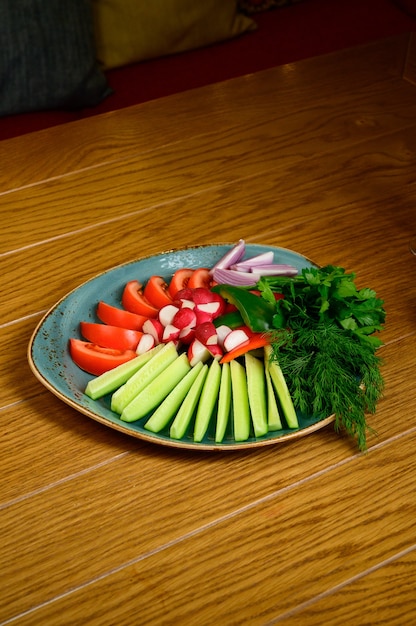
x=95, y=359
x=156, y=292
x=200, y=278
x=179, y=281
x=134, y=301
x=119, y=317
x=108, y=336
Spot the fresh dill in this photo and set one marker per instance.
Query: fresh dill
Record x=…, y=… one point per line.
x=325, y=343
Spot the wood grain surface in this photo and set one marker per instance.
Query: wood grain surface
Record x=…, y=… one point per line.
x=101, y=528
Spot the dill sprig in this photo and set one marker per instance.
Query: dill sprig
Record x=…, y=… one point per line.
x=326, y=347
x=330, y=371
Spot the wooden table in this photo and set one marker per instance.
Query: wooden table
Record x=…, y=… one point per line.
x=101, y=528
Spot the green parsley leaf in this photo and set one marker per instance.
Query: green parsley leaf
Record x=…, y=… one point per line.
x=325, y=343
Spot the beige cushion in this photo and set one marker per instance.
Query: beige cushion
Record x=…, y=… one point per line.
x=128, y=31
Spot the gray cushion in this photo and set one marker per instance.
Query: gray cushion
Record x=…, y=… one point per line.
x=47, y=56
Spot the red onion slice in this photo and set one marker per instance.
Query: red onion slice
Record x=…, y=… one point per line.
x=232, y=277
x=275, y=269
x=266, y=258
x=232, y=256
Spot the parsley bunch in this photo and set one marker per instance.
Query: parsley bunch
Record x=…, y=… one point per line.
x=325, y=343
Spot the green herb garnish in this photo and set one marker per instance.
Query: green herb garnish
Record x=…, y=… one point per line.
x=325, y=344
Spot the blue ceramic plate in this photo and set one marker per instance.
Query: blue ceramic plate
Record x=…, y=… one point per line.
x=51, y=363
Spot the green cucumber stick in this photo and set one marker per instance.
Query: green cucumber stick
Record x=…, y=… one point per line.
x=156, y=390
x=170, y=405
x=256, y=386
x=134, y=385
x=186, y=411
x=273, y=414
x=241, y=409
x=224, y=403
x=113, y=379
x=281, y=389
x=207, y=401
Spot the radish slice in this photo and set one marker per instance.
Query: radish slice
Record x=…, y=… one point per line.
x=171, y=333
x=146, y=343
x=154, y=328
x=185, y=318
x=206, y=333
x=167, y=313
x=232, y=256
x=203, y=316
x=211, y=308
x=183, y=294
x=235, y=339
x=198, y=352
x=187, y=335
x=222, y=332
x=215, y=351
x=187, y=304
x=232, y=277
x=201, y=295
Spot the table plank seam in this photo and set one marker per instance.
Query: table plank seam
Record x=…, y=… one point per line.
x=101, y=527
x=213, y=523
x=18, y=320
x=130, y=215
x=26, y=496
x=62, y=481
x=330, y=591
x=184, y=197
x=82, y=170
x=176, y=541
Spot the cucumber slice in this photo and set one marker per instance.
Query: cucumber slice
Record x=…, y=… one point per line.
x=273, y=414
x=281, y=389
x=134, y=385
x=207, y=401
x=170, y=405
x=256, y=386
x=156, y=390
x=112, y=380
x=241, y=409
x=186, y=410
x=224, y=403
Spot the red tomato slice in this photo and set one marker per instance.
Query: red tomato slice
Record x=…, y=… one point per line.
x=200, y=278
x=95, y=359
x=118, y=317
x=179, y=281
x=134, y=301
x=156, y=292
x=108, y=336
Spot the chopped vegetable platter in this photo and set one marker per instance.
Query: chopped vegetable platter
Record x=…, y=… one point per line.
x=50, y=360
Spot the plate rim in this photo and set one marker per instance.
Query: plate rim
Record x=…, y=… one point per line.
x=144, y=435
